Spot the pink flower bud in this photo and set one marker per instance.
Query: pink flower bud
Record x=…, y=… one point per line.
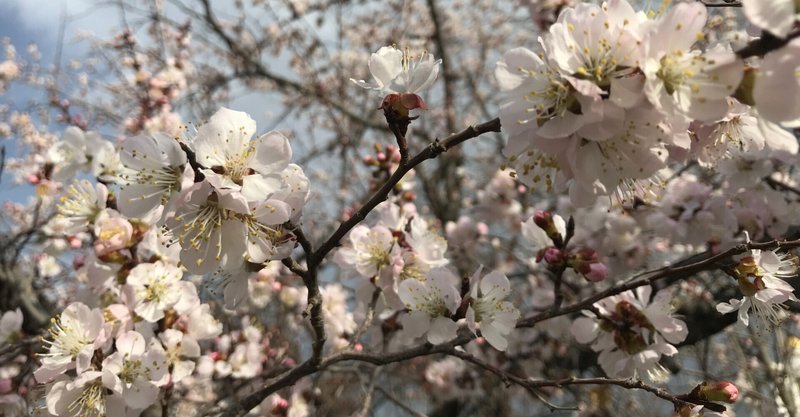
x=75, y=242
x=597, y=272
x=33, y=179
x=553, y=255
x=723, y=391
x=78, y=261
x=381, y=157
x=5, y=386
x=482, y=229
x=113, y=233
x=543, y=219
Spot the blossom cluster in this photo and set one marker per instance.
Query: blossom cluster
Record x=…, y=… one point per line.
x=613, y=96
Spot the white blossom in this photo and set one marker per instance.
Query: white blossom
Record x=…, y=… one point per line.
x=431, y=303
x=489, y=310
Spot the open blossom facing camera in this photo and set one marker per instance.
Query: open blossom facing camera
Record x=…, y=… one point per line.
x=631, y=332
x=761, y=275
x=400, y=76
x=155, y=288
x=431, y=302
x=234, y=160
x=134, y=371
x=489, y=310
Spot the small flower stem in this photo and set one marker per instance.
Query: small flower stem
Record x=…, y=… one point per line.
x=398, y=124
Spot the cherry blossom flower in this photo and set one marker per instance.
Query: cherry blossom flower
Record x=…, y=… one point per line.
x=113, y=232
x=10, y=325
x=679, y=79
x=596, y=43
x=135, y=372
x=399, y=77
x=180, y=350
x=774, y=16
x=232, y=160
x=537, y=97
x=446, y=375
x=208, y=228
x=761, y=277
x=85, y=396
x=74, y=336
x=631, y=332
x=69, y=155
x=338, y=319
x=372, y=252
x=154, y=168
x=777, y=89
x=155, y=289
x=488, y=309
x=739, y=133
x=106, y=162
x=537, y=236
x=430, y=302
x=82, y=203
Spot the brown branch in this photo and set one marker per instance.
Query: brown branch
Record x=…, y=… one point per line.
x=432, y=151
x=533, y=384
x=252, y=68
x=765, y=44
x=308, y=367
x=674, y=272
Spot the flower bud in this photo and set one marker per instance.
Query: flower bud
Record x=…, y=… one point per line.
x=597, y=272
x=723, y=391
x=553, y=255
x=544, y=220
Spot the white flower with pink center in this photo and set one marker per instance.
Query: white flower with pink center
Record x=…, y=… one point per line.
x=85, y=396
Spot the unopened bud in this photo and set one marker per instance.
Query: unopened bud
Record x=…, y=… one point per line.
x=597, y=272
x=553, y=255
x=722, y=391
x=544, y=220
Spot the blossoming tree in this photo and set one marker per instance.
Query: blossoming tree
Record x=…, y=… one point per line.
x=445, y=208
